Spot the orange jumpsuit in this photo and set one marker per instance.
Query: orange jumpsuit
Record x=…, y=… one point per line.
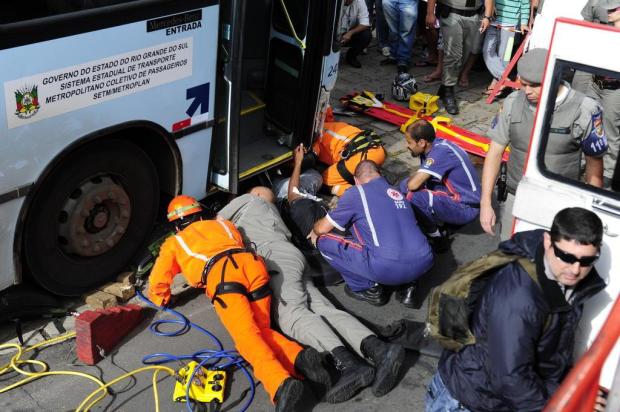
x=271, y=355
x=329, y=148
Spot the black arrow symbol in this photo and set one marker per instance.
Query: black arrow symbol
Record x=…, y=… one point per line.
x=200, y=94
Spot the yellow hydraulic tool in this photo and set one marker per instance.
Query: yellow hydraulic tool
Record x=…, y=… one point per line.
x=207, y=385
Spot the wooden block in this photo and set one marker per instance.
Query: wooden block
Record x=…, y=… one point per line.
x=100, y=300
x=128, y=278
x=119, y=290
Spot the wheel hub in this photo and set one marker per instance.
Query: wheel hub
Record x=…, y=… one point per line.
x=94, y=218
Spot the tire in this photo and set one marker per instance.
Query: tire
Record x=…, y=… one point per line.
x=90, y=216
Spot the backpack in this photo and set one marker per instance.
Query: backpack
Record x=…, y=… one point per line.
x=452, y=303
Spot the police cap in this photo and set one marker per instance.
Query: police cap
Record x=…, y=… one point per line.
x=531, y=65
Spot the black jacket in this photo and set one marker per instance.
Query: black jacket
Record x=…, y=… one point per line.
x=524, y=336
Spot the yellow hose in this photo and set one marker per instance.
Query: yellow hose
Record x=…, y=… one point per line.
x=103, y=388
x=101, y=391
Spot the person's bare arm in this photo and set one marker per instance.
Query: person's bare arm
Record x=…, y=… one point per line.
x=294, y=181
x=417, y=180
x=323, y=226
x=430, y=14
x=490, y=170
x=594, y=171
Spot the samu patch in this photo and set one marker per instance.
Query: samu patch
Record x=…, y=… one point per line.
x=429, y=162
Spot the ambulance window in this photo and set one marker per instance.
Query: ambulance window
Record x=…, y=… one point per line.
x=580, y=127
x=16, y=11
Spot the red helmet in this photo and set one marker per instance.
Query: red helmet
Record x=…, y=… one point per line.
x=182, y=206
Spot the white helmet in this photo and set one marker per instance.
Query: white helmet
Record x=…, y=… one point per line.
x=403, y=86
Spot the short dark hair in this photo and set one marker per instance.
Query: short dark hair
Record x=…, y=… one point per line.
x=366, y=167
x=578, y=224
x=421, y=129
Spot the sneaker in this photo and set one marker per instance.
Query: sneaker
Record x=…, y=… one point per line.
x=385, y=51
x=375, y=295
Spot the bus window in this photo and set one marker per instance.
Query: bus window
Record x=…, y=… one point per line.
x=581, y=131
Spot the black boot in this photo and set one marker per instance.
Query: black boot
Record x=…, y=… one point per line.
x=355, y=374
x=387, y=358
x=405, y=294
x=289, y=395
x=375, y=295
x=309, y=364
x=441, y=243
x=351, y=58
x=449, y=100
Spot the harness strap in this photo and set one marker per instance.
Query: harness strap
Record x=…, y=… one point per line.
x=216, y=258
x=363, y=142
x=236, y=287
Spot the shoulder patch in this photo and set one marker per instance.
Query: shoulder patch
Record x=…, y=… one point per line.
x=429, y=162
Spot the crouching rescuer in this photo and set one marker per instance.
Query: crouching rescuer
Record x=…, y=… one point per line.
x=211, y=255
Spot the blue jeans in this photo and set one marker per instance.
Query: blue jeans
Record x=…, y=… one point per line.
x=438, y=399
x=401, y=17
x=494, y=50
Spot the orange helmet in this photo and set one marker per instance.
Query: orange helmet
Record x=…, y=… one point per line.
x=182, y=206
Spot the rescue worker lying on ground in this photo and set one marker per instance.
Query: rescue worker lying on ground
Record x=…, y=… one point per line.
x=446, y=187
x=386, y=246
x=341, y=147
x=211, y=255
x=302, y=312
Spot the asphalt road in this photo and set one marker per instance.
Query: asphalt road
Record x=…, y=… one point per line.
x=63, y=393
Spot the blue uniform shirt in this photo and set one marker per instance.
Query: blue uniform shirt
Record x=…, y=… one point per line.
x=380, y=218
x=451, y=172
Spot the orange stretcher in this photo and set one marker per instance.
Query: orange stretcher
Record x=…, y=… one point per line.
x=366, y=103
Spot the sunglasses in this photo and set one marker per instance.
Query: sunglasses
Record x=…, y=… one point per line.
x=569, y=258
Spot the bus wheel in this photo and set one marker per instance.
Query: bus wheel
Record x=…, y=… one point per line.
x=90, y=216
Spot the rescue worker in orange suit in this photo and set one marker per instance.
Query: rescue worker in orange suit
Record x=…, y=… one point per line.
x=211, y=255
x=342, y=147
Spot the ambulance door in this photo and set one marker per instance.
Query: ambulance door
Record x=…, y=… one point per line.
x=579, y=53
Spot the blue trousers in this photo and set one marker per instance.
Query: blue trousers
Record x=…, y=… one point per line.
x=361, y=270
x=438, y=398
x=435, y=208
x=401, y=17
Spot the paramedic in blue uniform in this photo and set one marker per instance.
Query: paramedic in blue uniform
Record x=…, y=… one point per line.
x=446, y=187
x=386, y=246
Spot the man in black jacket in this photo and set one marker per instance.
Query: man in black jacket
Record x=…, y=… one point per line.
x=524, y=329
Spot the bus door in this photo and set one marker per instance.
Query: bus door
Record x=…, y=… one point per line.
x=272, y=55
x=579, y=54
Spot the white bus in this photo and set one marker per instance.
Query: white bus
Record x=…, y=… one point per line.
x=110, y=105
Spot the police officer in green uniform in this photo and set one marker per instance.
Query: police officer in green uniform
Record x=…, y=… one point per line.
x=603, y=89
x=462, y=23
x=576, y=127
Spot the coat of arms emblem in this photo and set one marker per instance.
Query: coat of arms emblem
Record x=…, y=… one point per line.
x=27, y=102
